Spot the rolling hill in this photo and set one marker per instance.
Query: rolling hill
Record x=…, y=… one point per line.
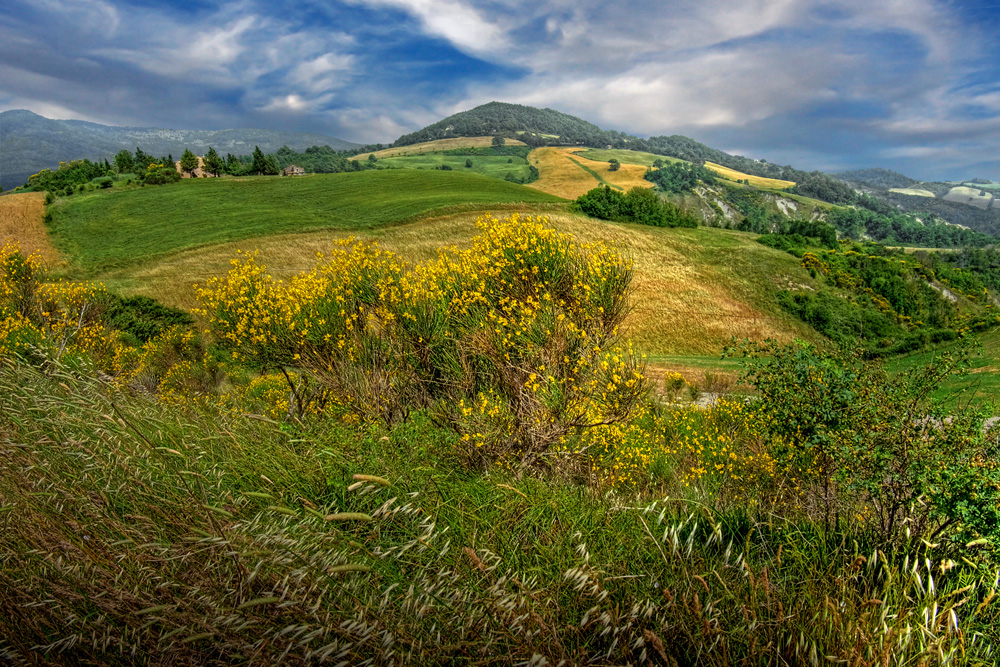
x=31, y=142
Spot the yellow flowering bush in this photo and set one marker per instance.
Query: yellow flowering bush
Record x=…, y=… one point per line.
x=513, y=341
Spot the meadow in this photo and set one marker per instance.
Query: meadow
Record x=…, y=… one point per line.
x=105, y=230
x=565, y=173
x=407, y=431
x=756, y=181
x=494, y=166
x=436, y=147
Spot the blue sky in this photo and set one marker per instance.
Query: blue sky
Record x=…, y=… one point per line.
x=912, y=85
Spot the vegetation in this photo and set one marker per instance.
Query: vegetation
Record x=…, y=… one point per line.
x=638, y=205
x=161, y=511
x=678, y=177
x=904, y=229
x=102, y=231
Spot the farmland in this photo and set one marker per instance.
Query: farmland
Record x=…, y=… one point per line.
x=756, y=181
x=494, y=166
x=566, y=174
x=21, y=222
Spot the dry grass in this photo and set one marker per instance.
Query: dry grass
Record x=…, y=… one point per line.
x=915, y=192
x=694, y=289
x=21, y=220
x=970, y=196
x=437, y=146
x=756, y=181
x=564, y=173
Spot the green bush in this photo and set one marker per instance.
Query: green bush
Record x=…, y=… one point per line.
x=638, y=205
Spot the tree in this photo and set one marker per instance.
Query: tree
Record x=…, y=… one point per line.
x=468, y=163
x=615, y=165
x=124, y=162
x=189, y=162
x=657, y=163
x=213, y=163
x=263, y=165
x=372, y=159
x=233, y=165
x=142, y=160
x=499, y=141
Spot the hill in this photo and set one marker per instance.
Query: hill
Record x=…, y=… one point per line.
x=32, y=142
x=101, y=230
x=534, y=126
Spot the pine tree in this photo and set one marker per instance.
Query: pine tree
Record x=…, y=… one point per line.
x=213, y=163
x=189, y=162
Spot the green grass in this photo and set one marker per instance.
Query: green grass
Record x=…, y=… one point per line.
x=494, y=166
x=626, y=156
x=111, y=229
x=133, y=529
x=980, y=386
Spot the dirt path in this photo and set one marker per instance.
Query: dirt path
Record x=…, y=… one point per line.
x=21, y=221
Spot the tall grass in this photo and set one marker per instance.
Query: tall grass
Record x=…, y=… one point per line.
x=138, y=533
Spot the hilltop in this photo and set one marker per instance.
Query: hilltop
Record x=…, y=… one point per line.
x=32, y=142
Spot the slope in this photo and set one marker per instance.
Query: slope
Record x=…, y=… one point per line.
x=102, y=230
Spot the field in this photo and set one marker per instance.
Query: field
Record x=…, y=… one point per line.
x=436, y=147
x=494, y=166
x=756, y=181
x=915, y=192
x=464, y=463
x=971, y=196
x=565, y=173
x=107, y=230
x=981, y=385
x=625, y=156
x=694, y=290
x=21, y=221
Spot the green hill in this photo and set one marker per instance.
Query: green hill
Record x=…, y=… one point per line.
x=108, y=229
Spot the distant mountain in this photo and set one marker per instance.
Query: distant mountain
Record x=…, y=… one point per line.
x=30, y=143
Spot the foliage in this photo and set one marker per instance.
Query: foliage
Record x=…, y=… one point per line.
x=263, y=165
x=213, y=163
x=904, y=229
x=639, y=205
x=512, y=341
x=189, y=161
x=69, y=176
x=615, y=165
x=875, y=441
x=678, y=177
x=160, y=174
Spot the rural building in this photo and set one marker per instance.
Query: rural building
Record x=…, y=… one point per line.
x=292, y=170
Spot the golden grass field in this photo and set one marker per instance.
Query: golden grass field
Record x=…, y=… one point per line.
x=437, y=146
x=21, y=220
x=970, y=196
x=562, y=173
x=916, y=192
x=694, y=289
x=756, y=181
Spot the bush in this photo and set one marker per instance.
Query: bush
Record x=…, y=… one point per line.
x=865, y=439
x=512, y=343
x=638, y=205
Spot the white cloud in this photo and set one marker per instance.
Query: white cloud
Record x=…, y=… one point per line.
x=458, y=22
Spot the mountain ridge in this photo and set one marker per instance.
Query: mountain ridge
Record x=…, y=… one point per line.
x=30, y=142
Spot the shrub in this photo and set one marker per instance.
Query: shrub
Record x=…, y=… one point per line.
x=865, y=439
x=512, y=342
x=638, y=205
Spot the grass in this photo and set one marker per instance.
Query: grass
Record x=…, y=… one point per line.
x=101, y=231
x=436, y=147
x=980, y=386
x=915, y=192
x=494, y=166
x=21, y=221
x=563, y=175
x=137, y=533
x=695, y=289
x=756, y=181
x=625, y=156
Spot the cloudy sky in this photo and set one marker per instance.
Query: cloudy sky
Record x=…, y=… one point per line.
x=912, y=85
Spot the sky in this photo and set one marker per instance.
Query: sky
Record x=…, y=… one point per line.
x=910, y=85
